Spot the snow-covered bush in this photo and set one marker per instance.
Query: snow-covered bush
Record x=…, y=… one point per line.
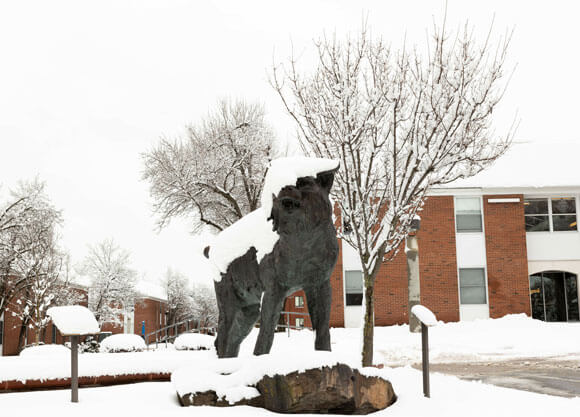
x=90, y=345
x=194, y=341
x=45, y=350
x=123, y=343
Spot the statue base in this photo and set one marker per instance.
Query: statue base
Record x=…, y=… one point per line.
x=337, y=389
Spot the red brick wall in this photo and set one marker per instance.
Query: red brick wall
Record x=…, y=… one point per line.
x=438, y=268
x=438, y=258
x=152, y=312
x=290, y=305
x=507, y=265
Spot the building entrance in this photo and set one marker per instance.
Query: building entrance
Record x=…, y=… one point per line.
x=554, y=296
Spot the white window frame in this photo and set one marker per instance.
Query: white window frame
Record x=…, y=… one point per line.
x=484, y=269
x=362, y=287
x=483, y=264
x=299, y=301
x=465, y=197
x=299, y=320
x=550, y=214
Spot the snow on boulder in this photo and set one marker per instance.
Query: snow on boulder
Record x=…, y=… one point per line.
x=194, y=341
x=45, y=350
x=123, y=343
x=72, y=320
x=424, y=315
x=255, y=229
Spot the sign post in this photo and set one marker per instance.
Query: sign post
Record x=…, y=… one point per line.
x=427, y=319
x=74, y=368
x=74, y=321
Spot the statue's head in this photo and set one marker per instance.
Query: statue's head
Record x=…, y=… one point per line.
x=303, y=206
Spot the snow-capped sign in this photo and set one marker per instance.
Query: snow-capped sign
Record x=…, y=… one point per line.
x=73, y=320
x=285, y=171
x=424, y=315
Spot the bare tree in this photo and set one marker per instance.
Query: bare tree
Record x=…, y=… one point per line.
x=112, y=288
x=205, y=308
x=179, y=300
x=23, y=209
x=400, y=122
x=31, y=259
x=216, y=173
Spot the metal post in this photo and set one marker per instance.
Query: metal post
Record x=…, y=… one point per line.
x=74, y=368
x=425, y=343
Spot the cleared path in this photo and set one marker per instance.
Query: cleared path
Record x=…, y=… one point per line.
x=550, y=376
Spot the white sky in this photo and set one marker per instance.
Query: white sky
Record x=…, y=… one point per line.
x=86, y=87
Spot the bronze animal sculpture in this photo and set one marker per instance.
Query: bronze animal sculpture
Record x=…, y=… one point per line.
x=302, y=258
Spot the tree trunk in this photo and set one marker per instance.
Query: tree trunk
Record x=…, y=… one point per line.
x=22, y=334
x=369, y=321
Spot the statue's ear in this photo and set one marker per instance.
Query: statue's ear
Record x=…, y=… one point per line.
x=325, y=179
x=206, y=252
x=274, y=213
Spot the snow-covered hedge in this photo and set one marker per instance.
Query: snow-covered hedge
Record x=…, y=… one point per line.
x=194, y=341
x=123, y=343
x=45, y=350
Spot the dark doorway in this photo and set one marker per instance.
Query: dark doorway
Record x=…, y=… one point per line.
x=554, y=296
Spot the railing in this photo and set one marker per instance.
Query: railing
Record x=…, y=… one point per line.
x=287, y=325
x=169, y=333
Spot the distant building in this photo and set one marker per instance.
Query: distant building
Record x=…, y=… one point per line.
x=146, y=316
x=505, y=241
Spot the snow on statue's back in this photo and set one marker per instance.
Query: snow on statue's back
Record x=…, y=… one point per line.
x=73, y=320
x=255, y=229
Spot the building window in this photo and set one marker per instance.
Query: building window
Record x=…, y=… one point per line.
x=468, y=214
x=298, y=301
x=353, y=287
x=299, y=322
x=472, y=286
x=550, y=214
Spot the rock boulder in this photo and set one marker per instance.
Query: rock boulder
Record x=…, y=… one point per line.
x=338, y=389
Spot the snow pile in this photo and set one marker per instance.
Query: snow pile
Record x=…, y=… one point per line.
x=254, y=229
x=232, y=378
x=45, y=350
x=123, y=343
x=510, y=337
x=424, y=315
x=234, y=241
x=73, y=320
x=194, y=341
x=285, y=171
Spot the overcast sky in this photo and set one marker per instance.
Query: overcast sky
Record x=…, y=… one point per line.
x=86, y=87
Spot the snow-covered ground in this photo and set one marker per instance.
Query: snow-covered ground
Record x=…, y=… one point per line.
x=511, y=337
x=450, y=397
x=507, y=338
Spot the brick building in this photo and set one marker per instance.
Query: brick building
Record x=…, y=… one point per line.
x=145, y=316
x=505, y=241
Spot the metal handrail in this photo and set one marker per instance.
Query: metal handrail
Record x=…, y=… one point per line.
x=189, y=329
x=176, y=331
